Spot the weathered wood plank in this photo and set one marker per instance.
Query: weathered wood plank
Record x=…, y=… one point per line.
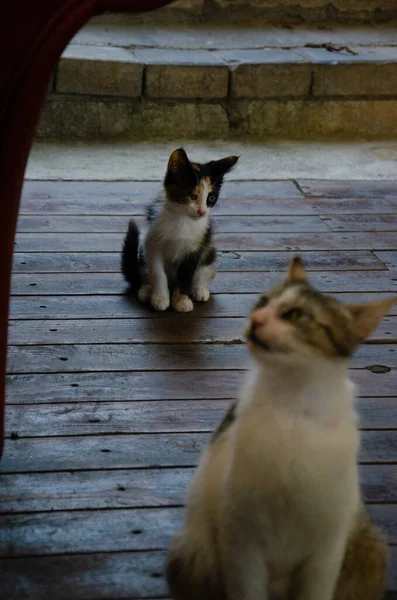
x=99, y=190
x=205, y=330
x=106, y=577
x=132, y=488
x=117, y=198
x=388, y=258
x=379, y=483
x=139, y=451
x=244, y=241
x=97, y=531
x=148, y=357
x=172, y=384
x=35, y=224
x=138, y=488
x=182, y=330
x=112, y=576
x=94, y=418
x=128, y=451
x=383, y=222
x=72, y=358
x=74, y=284
x=120, y=530
x=133, y=385
x=116, y=307
x=48, y=262
x=352, y=188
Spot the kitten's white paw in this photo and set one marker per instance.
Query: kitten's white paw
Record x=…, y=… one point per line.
x=181, y=302
x=145, y=293
x=201, y=293
x=160, y=302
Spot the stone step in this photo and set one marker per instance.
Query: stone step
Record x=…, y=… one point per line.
x=270, y=11
x=210, y=82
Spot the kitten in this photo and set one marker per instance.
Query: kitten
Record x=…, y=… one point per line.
x=177, y=251
x=274, y=509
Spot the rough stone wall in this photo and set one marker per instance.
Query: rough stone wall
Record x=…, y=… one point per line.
x=278, y=11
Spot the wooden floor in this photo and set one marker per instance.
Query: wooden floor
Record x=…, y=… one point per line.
x=110, y=404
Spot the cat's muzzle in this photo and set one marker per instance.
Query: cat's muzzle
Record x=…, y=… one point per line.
x=253, y=338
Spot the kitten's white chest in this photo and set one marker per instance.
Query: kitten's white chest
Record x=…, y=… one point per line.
x=178, y=236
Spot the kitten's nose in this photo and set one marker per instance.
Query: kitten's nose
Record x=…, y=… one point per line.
x=202, y=211
x=259, y=317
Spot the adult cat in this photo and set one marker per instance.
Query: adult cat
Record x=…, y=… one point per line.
x=274, y=510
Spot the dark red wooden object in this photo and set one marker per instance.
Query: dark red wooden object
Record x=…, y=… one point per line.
x=33, y=35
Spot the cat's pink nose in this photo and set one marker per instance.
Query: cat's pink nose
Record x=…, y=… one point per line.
x=259, y=317
x=202, y=211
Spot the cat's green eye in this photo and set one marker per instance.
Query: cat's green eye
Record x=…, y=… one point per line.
x=193, y=197
x=293, y=315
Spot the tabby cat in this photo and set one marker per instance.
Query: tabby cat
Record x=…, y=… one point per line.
x=274, y=510
x=176, y=252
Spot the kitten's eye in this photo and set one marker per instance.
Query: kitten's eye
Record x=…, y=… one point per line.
x=211, y=198
x=193, y=197
x=263, y=300
x=294, y=315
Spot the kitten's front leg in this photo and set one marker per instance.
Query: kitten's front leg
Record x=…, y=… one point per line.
x=160, y=299
x=201, y=279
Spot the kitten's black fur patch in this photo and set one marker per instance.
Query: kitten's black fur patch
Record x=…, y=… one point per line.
x=152, y=211
x=205, y=255
x=130, y=261
x=184, y=180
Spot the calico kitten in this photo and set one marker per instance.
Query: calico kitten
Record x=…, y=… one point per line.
x=177, y=252
x=274, y=509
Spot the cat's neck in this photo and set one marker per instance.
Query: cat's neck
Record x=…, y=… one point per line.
x=320, y=389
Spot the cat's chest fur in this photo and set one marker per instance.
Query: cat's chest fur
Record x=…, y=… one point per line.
x=296, y=454
x=176, y=236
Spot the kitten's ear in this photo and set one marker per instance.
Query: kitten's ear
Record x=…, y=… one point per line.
x=178, y=163
x=222, y=166
x=296, y=271
x=366, y=317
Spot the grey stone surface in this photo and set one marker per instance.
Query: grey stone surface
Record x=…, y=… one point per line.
x=355, y=80
x=283, y=159
x=81, y=117
x=170, y=56
x=268, y=73
x=186, y=82
x=322, y=119
x=213, y=36
x=372, y=71
x=65, y=117
x=172, y=121
x=184, y=74
x=353, y=54
x=271, y=80
x=99, y=71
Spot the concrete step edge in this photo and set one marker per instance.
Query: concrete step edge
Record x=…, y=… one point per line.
x=306, y=72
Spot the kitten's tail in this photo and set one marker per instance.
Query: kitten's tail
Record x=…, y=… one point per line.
x=129, y=257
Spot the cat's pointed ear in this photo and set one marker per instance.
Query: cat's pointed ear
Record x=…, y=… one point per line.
x=219, y=168
x=178, y=163
x=366, y=317
x=296, y=271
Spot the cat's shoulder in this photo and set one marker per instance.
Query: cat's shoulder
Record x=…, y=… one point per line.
x=154, y=208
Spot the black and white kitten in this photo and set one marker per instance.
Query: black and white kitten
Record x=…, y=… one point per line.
x=176, y=251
